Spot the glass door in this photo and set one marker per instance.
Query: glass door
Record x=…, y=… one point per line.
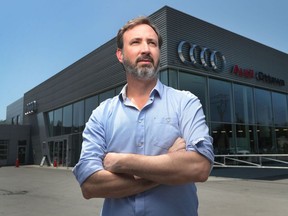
x=58, y=152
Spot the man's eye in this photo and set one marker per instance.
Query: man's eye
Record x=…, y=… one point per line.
x=153, y=43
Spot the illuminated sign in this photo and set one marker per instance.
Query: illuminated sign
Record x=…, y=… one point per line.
x=31, y=108
x=260, y=76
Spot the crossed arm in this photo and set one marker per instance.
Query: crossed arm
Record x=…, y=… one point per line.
x=129, y=174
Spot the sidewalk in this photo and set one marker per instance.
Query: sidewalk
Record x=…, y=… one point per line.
x=244, y=192
x=45, y=191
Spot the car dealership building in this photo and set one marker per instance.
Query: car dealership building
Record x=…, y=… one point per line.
x=242, y=84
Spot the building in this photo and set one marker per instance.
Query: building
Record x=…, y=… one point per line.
x=241, y=83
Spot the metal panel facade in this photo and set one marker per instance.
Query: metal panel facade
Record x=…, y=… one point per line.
x=238, y=50
x=92, y=74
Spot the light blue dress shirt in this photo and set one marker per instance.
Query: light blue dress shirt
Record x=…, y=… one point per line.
x=116, y=125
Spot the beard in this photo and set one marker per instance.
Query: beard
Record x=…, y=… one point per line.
x=142, y=72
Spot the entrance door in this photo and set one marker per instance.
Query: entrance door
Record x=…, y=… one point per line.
x=22, y=144
x=58, y=152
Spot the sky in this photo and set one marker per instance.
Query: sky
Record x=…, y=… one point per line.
x=39, y=38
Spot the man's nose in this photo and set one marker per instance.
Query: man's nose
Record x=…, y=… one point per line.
x=145, y=48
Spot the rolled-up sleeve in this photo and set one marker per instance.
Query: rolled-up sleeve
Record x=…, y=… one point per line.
x=195, y=129
x=203, y=146
x=93, y=149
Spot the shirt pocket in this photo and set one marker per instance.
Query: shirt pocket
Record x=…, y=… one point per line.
x=166, y=131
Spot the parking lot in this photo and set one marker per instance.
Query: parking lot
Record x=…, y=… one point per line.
x=43, y=191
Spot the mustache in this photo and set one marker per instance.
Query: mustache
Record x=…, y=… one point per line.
x=145, y=58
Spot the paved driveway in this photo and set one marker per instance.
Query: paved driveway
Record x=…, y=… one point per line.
x=42, y=191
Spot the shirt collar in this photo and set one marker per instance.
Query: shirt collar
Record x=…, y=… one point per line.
x=157, y=90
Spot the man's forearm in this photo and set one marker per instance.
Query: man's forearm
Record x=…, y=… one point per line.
x=173, y=168
x=104, y=184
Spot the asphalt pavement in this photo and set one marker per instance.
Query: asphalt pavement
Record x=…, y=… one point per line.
x=45, y=191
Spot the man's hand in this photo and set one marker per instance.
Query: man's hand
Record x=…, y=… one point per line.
x=178, y=145
x=111, y=160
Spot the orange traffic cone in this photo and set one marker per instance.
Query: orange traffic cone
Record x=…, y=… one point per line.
x=55, y=163
x=17, y=162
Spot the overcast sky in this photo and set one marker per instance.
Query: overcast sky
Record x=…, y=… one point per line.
x=39, y=38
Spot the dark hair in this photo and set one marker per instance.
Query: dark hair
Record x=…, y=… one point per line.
x=131, y=24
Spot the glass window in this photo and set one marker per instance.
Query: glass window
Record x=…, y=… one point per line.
x=57, y=126
x=105, y=95
x=243, y=98
x=245, y=141
x=173, y=78
x=195, y=84
x=50, y=121
x=265, y=141
x=163, y=76
x=4, y=149
x=90, y=104
x=263, y=107
x=78, y=116
x=282, y=140
x=67, y=119
x=220, y=100
x=18, y=122
x=222, y=138
x=118, y=89
x=280, y=109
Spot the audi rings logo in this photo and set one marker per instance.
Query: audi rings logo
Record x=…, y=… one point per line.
x=201, y=57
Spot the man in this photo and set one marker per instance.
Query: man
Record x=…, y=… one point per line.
x=144, y=149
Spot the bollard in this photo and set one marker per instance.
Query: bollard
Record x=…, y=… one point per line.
x=55, y=163
x=17, y=163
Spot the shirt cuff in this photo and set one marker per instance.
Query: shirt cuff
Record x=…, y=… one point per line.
x=203, y=146
x=84, y=169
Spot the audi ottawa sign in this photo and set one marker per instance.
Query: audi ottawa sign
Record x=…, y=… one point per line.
x=201, y=57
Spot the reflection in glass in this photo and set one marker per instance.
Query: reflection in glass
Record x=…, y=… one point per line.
x=90, y=104
x=243, y=97
x=78, y=116
x=280, y=109
x=265, y=141
x=105, y=95
x=282, y=140
x=163, y=76
x=220, y=100
x=118, y=89
x=57, y=126
x=173, y=78
x=263, y=107
x=222, y=138
x=245, y=141
x=194, y=84
x=67, y=119
x=50, y=123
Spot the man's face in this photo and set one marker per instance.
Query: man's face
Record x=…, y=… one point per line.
x=140, y=54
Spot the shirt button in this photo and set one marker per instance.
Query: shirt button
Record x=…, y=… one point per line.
x=140, y=144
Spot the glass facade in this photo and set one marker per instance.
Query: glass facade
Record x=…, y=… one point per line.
x=242, y=119
x=78, y=117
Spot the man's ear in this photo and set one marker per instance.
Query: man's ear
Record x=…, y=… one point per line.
x=119, y=55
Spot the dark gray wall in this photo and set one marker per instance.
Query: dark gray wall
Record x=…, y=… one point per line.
x=14, y=134
x=13, y=110
x=93, y=73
